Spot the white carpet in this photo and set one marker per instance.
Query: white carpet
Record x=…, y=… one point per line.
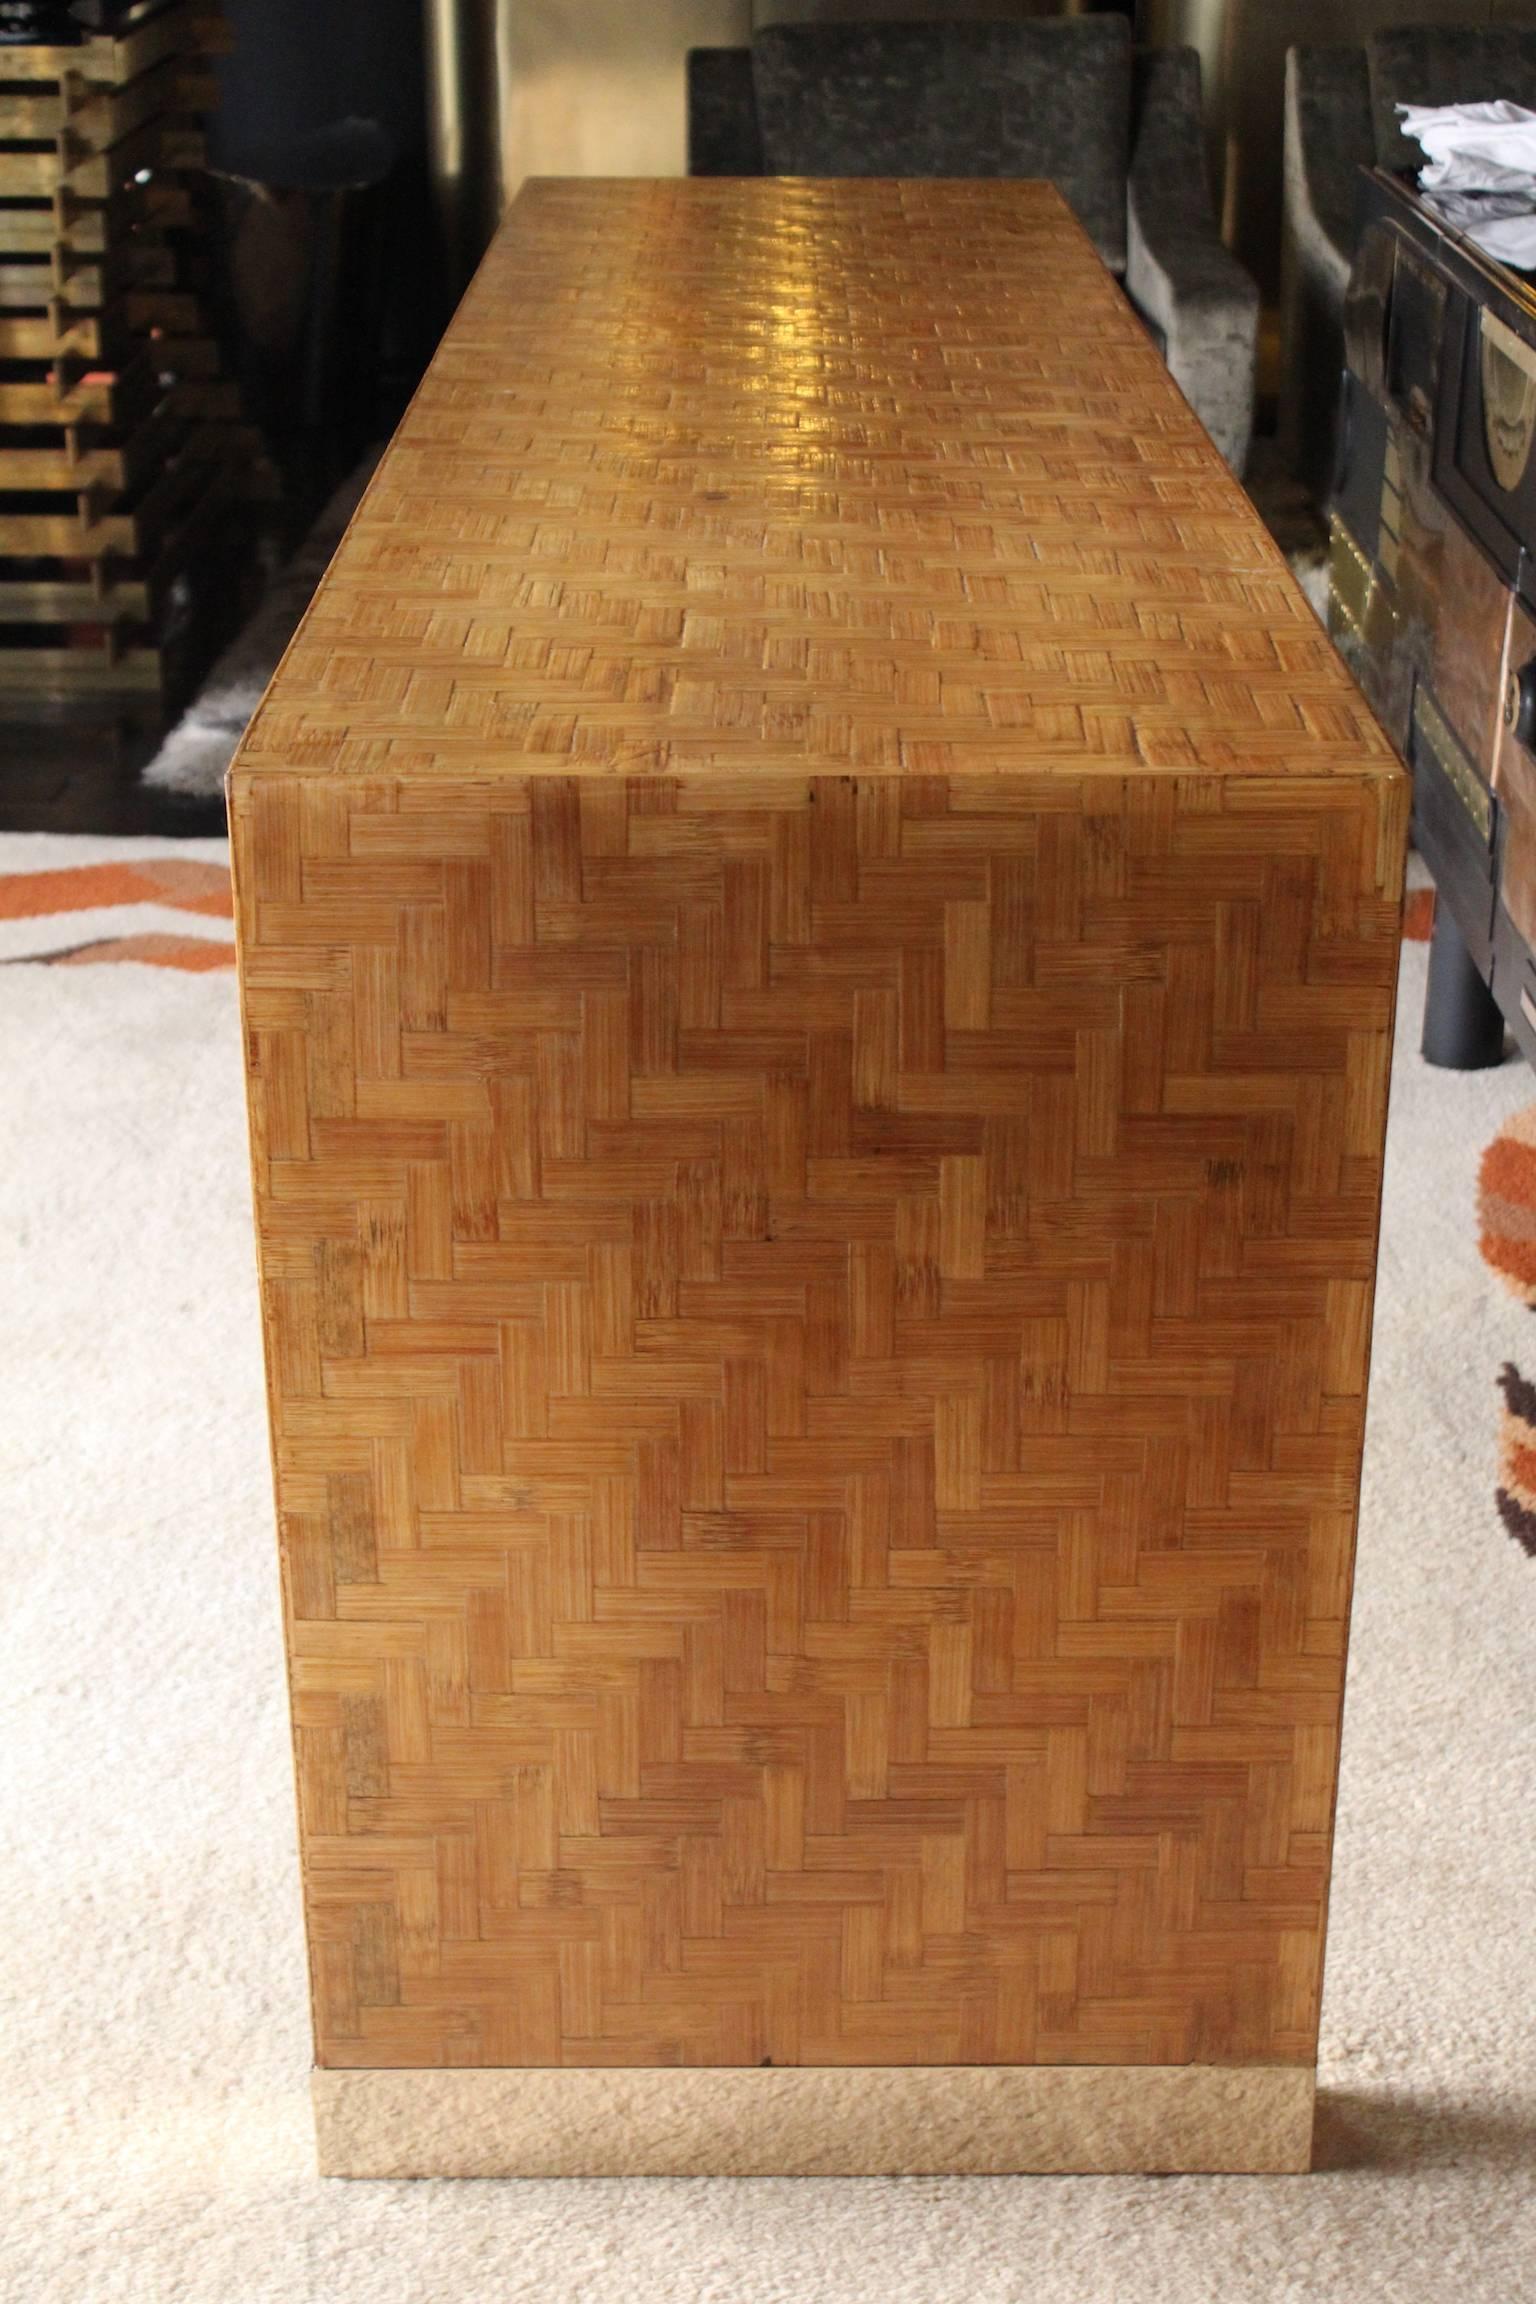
x=154, y=2128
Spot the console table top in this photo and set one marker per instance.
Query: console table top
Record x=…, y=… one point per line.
x=865, y=478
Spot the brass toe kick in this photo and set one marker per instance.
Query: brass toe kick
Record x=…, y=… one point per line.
x=971, y=2120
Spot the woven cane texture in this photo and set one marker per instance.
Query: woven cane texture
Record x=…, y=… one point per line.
x=785, y=474
x=817, y=1321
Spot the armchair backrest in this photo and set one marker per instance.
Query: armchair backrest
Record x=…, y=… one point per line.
x=1444, y=64
x=1047, y=98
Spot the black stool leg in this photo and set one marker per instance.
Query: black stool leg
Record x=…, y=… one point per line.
x=1463, y=1029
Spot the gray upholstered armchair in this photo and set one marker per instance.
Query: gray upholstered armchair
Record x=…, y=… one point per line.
x=1340, y=116
x=1117, y=130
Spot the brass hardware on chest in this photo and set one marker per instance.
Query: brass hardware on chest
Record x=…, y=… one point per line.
x=1507, y=371
x=1355, y=589
x=1431, y=584
x=1520, y=705
x=1450, y=758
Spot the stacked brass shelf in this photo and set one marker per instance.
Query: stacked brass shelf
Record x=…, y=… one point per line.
x=122, y=451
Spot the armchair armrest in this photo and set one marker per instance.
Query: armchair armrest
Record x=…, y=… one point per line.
x=723, y=134
x=1329, y=134
x=1178, y=275
x=1328, y=137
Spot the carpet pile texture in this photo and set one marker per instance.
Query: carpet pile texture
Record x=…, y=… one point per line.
x=155, y=2141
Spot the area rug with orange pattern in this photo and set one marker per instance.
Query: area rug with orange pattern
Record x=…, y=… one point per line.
x=67, y=899
x=155, y=2131
x=1507, y=1236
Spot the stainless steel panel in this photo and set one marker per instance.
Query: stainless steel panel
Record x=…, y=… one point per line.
x=594, y=87
x=559, y=88
x=898, y=11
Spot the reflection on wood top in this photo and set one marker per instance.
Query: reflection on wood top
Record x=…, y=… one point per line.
x=802, y=477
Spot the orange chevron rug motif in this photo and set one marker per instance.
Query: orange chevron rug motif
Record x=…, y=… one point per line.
x=1516, y=1492
x=1418, y=915
x=1506, y=1207
x=124, y=900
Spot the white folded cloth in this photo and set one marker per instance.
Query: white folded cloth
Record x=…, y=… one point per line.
x=1481, y=173
x=1507, y=239
x=1474, y=147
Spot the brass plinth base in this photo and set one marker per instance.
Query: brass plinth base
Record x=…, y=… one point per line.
x=977, y=2120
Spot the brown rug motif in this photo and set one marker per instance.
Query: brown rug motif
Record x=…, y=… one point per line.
x=1506, y=1215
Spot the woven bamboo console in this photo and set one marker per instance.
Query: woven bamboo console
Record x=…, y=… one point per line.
x=818, y=925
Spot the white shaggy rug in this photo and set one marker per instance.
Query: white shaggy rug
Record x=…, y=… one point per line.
x=154, y=2128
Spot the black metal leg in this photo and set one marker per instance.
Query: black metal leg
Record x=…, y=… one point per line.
x=1463, y=1029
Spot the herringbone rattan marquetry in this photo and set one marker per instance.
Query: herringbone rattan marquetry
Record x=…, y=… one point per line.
x=818, y=924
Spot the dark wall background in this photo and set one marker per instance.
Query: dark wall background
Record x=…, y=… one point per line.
x=331, y=288
x=302, y=65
